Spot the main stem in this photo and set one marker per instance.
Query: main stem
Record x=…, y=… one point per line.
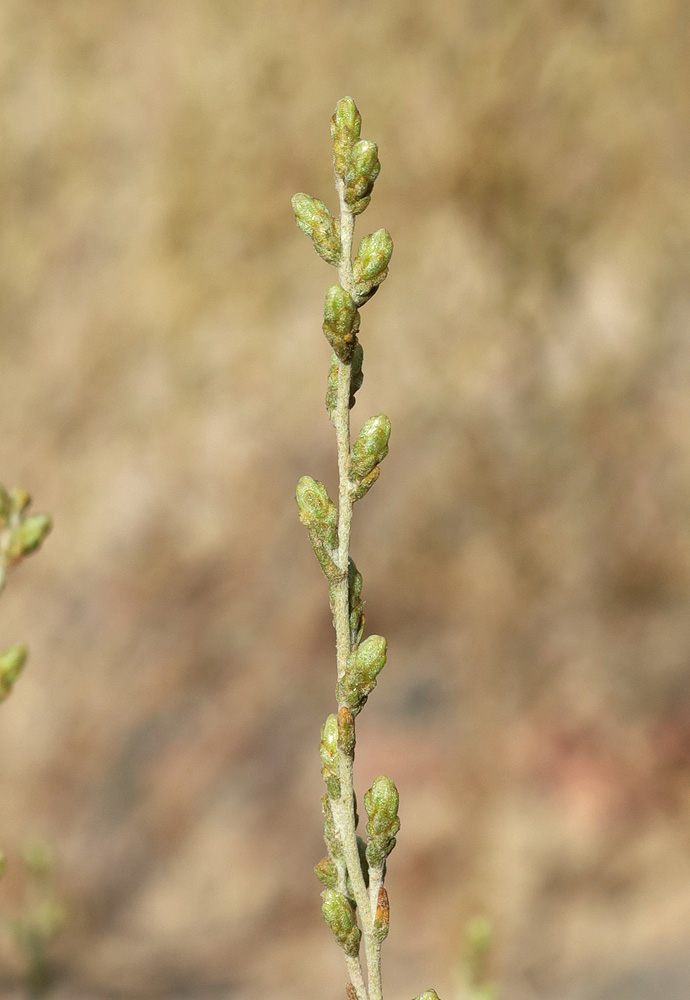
x=344, y=808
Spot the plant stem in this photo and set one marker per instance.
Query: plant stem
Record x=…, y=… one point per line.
x=344, y=808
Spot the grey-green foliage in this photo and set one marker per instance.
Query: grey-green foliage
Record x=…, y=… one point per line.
x=21, y=534
x=355, y=900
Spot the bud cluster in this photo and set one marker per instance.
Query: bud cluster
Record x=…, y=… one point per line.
x=356, y=161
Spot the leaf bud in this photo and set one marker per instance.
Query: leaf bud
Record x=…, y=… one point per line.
x=339, y=914
x=317, y=511
x=325, y=559
x=346, y=125
x=27, y=536
x=362, y=169
x=11, y=663
x=340, y=322
x=381, y=803
x=364, y=664
x=382, y=916
x=356, y=605
x=327, y=873
x=357, y=374
x=365, y=485
x=346, y=731
x=371, y=446
x=314, y=219
x=370, y=266
x=328, y=750
x=358, y=206
x=428, y=995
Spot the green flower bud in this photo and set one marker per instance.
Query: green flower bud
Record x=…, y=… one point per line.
x=362, y=169
x=381, y=803
x=314, y=219
x=340, y=322
x=370, y=266
x=428, y=995
x=327, y=873
x=371, y=446
x=354, y=587
x=317, y=511
x=11, y=663
x=346, y=125
x=364, y=664
x=339, y=914
x=328, y=750
x=346, y=731
x=27, y=536
x=373, y=255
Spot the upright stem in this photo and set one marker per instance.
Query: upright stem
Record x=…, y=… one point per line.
x=344, y=808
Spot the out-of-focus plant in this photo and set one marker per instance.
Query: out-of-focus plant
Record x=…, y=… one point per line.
x=473, y=971
x=41, y=919
x=20, y=534
x=355, y=900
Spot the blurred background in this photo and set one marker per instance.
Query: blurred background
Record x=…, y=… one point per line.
x=526, y=552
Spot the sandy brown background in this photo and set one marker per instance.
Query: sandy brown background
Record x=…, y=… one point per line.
x=526, y=551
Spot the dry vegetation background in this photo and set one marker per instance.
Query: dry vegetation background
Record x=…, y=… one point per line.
x=526, y=552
